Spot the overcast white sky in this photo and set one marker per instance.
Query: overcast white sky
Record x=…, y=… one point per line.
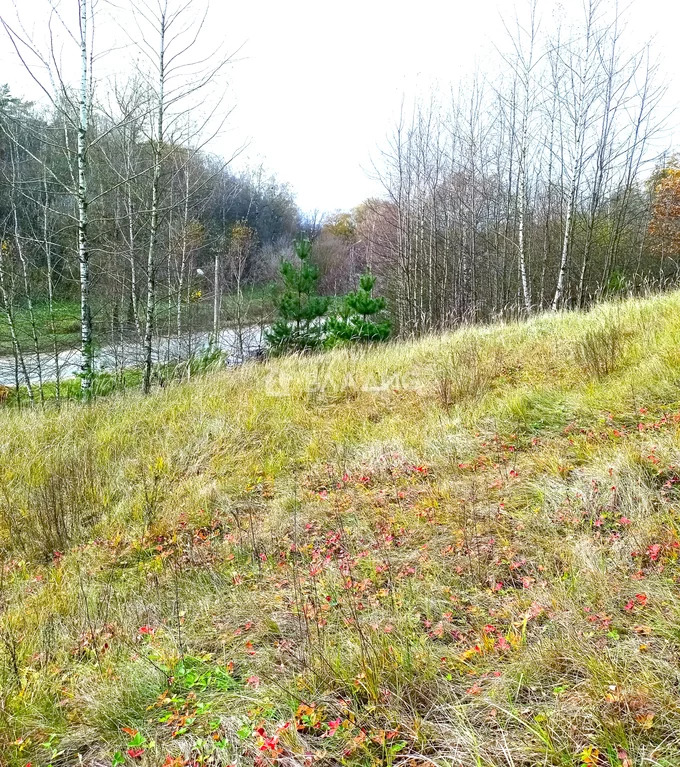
x=318, y=83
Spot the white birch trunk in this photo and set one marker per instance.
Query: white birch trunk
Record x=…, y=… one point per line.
x=86, y=349
x=155, y=218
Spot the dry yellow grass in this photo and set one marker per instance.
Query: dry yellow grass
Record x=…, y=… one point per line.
x=460, y=550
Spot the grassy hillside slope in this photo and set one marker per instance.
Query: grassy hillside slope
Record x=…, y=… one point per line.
x=457, y=551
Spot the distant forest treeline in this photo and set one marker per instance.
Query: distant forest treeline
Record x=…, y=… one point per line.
x=205, y=207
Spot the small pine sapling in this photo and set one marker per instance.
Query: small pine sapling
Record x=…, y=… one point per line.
x=360, y=317
x=299, y=327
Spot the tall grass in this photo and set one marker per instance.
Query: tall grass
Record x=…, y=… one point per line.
x=460, y=550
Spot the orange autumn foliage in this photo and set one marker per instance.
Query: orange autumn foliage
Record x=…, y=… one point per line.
x=665, y=224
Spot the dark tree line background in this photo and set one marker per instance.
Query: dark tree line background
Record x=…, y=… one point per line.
x=205, y=203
